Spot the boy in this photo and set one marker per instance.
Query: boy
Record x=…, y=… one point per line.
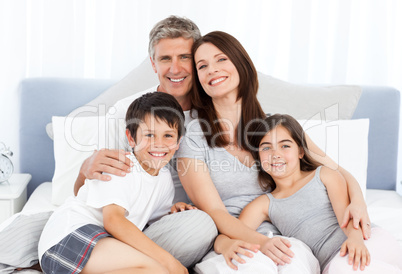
x=100, y=230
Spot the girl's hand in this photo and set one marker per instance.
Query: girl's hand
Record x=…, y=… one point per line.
x=180, y=206
x=358, y=252
x=278, y=249
x=358, y=214
x=231, y=249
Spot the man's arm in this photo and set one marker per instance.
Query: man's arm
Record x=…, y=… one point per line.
x=103, y=161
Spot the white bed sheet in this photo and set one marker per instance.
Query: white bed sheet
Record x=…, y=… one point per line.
x=385, y=210
x=40, y=199
x=384, y=207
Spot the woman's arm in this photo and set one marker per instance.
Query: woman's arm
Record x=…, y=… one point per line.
x=252, y=215
x=338, y=195
x=118, y=226
x=357, y=209
x=197, y=183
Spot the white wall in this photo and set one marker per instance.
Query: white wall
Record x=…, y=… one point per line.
x=333, y=41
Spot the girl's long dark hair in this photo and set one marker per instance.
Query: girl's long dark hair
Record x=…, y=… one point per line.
x=307, y=163
x=248, y=87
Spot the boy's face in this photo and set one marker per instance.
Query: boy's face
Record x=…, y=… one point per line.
x=156, y=142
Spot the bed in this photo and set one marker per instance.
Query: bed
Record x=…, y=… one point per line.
x=366, y=128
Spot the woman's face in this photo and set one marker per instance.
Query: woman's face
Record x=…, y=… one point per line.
x=217, y=74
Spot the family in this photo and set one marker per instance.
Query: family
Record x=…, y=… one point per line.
x=238, y=184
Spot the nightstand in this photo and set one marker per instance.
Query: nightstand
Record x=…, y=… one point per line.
x=13, y=195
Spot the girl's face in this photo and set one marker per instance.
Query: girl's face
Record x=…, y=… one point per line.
x=217, y=74
x=279, y=153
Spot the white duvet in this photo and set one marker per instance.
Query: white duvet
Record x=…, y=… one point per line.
x=384, y=207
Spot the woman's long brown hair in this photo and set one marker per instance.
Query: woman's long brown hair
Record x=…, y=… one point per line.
x=248, y=87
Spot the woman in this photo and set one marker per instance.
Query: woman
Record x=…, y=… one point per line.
x=215, y=164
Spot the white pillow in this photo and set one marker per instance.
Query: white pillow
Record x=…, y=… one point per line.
x=304, y=102
x=75, y=139
x=19, y=237
x=275, y=96
x=345, y=142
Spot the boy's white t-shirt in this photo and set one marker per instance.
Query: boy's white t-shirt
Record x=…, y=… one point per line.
x=146, y=198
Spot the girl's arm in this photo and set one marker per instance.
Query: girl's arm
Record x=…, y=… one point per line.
x=357, y=209
x=118, y=226
x=337, y=193
x=255, y=212
x=197, y=183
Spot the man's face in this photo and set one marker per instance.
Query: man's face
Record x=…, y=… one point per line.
x=173, y=64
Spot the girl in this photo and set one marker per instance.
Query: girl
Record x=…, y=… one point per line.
x=307, y=200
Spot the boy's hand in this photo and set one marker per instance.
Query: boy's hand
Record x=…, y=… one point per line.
x=180, y=206
x=278, y=249
x=231, y=249
x=358, y=252
x=174, y=266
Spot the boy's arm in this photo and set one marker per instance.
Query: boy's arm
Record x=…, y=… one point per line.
x=337, y=193
x=357, y=209
x=116, y=224
x=105, y=160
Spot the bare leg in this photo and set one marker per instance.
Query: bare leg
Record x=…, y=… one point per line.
x=113, y=256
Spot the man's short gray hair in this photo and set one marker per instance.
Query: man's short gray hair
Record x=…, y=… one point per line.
x=172, y=27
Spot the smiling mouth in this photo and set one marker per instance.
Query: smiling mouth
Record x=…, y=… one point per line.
x=178, y=80
x=160, y=154
x=216, y=81
x=278, y=165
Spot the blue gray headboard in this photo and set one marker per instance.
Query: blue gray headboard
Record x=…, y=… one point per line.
x=382, y=106
x=42, y=98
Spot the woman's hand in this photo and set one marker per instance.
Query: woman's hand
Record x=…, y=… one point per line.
x=180, y=206
x=278, y=249
x=358, y=252
x=357, y=213
x=231, y=249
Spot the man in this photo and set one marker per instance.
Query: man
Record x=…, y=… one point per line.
x=187, y=235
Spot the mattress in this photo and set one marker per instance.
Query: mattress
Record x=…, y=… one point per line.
x=384, y=207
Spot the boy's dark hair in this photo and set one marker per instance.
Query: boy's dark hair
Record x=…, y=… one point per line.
x=161, y=105
x=307, y=163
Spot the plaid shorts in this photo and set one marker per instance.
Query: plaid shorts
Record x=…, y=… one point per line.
x=72, y=253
